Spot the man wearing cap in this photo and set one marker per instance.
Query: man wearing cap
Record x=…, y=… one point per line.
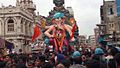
x=77, y=60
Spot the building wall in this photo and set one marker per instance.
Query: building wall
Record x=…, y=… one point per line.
x=23, y=26
x=92, y=41
x=82, y=39
x=108, y=16
x=0, y=27
x=96, y=32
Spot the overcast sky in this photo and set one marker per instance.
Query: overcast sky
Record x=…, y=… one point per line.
x=87, y=12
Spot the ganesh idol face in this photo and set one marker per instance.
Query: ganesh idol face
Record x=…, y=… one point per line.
x=58, y=21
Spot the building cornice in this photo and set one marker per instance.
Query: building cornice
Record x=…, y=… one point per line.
x=16, y=12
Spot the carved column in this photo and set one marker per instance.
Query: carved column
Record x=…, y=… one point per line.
x=1, y=30
x=24, y=24
x=18, y=25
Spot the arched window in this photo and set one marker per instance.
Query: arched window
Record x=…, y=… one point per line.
x=110, y=10
x=10, y=25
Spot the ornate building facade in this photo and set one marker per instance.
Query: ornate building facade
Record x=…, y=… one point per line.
x=16, y=24
x=110, y=20
x=108, y=16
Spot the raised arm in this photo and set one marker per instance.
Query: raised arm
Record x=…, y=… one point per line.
x=47, y=32
x=69, y=28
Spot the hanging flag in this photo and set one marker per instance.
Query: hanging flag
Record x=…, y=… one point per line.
x=36, y=33
x=73, y=30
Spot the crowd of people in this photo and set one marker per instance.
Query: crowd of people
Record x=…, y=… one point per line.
x=83, y=58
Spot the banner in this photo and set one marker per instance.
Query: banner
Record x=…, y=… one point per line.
x=118, y=7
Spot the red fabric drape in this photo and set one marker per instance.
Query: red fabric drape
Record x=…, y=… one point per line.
x=36, y=33
x=73, y=30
